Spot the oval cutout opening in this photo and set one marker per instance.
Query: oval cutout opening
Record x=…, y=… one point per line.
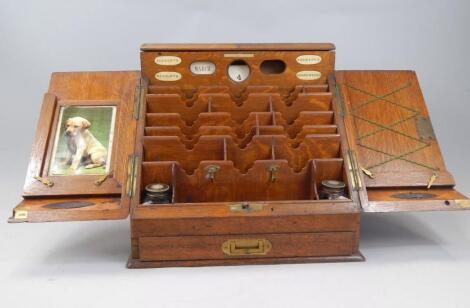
x=238, y=70
x=270, y=67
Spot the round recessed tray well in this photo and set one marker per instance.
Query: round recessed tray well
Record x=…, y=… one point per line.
x=238, y=71
x=68, y=204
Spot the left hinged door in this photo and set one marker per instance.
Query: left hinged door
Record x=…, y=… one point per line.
x=83, y=152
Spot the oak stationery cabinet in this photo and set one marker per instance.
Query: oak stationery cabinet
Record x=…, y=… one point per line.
x=235, y=154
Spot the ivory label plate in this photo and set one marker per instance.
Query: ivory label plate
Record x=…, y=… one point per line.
x=167, y=60
x=21, y=214
x=308, y=75
x=463, y=203
x=168, y=76
x=308, y=59
x=202, y=68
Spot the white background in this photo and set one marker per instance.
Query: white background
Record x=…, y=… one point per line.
x=414, y=260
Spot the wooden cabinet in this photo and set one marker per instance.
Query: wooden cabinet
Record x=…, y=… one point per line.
x=243, y=136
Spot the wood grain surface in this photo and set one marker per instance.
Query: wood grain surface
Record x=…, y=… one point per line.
x=82, y=88
x=383, y=107
x=269, y=140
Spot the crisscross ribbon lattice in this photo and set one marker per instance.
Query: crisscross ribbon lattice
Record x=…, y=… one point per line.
x=421, y=144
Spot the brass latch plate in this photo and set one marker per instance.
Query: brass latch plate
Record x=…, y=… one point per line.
x=424, y=127
x=245, y=207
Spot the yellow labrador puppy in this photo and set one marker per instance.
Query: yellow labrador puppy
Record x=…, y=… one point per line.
x=82, y=147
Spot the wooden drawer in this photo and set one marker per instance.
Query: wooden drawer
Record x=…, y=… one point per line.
x=254, y=246
x=214, y=219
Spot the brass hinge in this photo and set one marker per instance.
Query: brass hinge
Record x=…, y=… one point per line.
x=139, y=97
x=354, y=170
x=132, y=175
x=339, y=100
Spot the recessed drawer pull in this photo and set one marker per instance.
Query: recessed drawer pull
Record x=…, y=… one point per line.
x=242, y=247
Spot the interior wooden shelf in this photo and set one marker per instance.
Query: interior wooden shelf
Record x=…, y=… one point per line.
x=267, y=143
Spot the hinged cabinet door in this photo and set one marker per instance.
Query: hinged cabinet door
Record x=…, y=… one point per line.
x=80, y=166
x=389, y=129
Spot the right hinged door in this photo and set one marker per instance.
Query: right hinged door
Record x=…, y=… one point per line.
x=388, y=127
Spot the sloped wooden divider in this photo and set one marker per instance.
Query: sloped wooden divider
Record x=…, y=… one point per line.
x=280, y=143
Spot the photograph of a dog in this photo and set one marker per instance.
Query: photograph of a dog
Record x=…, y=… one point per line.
x=83, y=141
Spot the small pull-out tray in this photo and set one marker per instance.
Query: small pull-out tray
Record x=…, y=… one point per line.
x=70, y=209
x=408, y=200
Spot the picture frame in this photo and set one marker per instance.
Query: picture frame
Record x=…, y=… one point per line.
x=83, y=140
x=55, y=167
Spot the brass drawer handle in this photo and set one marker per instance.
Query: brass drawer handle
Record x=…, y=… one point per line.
x=244, y=247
